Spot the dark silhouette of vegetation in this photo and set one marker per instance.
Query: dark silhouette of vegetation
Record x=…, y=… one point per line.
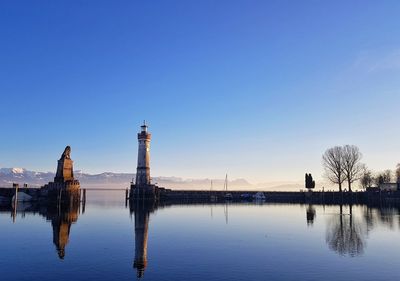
x=342, y=163
x=352, y=167
x=333, y=164
x=398, y=173
x=310, y=183
x=384, y=177
x=367, y=178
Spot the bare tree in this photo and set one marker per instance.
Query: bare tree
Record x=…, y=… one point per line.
x=352, y=167
x=332, y=161
x=384, y=177
x=366, y=179
x=398, y=173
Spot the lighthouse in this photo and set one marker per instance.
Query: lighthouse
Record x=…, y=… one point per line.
x=143, y=188
x=143, y=164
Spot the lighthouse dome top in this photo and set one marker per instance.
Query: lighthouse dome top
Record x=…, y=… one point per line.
x=144, y=126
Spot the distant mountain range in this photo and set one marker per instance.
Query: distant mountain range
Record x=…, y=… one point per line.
x=8, y=176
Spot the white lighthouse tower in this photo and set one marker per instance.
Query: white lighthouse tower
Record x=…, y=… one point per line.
x=142, y=188
x=143, y=164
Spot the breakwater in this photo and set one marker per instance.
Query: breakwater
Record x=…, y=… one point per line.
x=280, y=196
x=204, y=196
x=39, y=195
x=9, y=192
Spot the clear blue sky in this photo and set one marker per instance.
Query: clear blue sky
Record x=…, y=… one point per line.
x=258, y=89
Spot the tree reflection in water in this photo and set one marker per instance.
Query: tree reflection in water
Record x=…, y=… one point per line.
x=384, y=215
x=345, y=234
x=310, y=215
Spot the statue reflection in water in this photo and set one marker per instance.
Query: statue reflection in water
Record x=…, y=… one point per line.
x=345, y=235
x=61, y=216
x=142, y=210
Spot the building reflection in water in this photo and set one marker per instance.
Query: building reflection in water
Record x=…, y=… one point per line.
x=141, y=211
x=345, y=234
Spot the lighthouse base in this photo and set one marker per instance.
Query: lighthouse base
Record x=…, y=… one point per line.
x=144, y=192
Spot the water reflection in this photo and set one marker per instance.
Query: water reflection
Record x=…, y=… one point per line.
x=385, y=215
x=310, y=215
x=345, y=229
x=61, y=216
x=345, y=234
x=142, y=211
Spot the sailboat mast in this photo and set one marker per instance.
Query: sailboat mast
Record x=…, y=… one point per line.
x=226, y=182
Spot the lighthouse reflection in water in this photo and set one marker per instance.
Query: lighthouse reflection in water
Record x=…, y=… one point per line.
x=141, y=211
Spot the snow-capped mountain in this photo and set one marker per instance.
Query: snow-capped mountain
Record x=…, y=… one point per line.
x=8, y=176
x=12, y=170
x=20, y=175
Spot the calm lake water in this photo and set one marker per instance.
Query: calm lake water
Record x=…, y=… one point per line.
x=109, y=241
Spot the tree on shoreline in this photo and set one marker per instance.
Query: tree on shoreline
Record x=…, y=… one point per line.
x=367, y=178
x=352, y=167
x=342, y=163
x=333, y=163
x=310, y=183
x=398, y=173
x=384, y=177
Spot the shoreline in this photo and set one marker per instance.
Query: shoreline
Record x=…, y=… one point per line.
x=204, y=196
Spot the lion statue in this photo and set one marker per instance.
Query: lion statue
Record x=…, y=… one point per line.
x=67, y=153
